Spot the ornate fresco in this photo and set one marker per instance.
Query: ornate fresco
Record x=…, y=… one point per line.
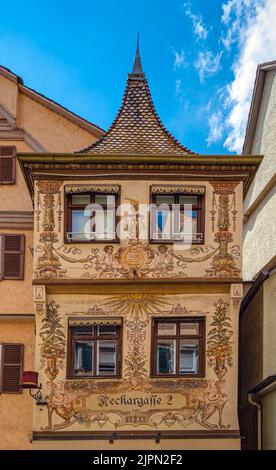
x=136, y=401
x=133, y=258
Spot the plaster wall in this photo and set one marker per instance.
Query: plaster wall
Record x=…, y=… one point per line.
x=269, y=421
x=261, y=225
x=269, y=332
x=176, y=411
x=196, y=259
x=16, y=295
x=16, y=410
x=8, y=94
x=53, y=131
x=264, y=142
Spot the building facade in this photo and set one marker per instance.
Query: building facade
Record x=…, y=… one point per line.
x=257, y=319
x=29, y=122
x=137, y=331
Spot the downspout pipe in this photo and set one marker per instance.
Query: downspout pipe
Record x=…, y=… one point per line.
x=252, y=399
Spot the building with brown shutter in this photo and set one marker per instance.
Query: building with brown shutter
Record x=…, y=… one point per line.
x=137, y=284
x=29, y=122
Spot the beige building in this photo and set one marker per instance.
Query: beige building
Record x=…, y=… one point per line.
x=137, y=331
x=257, y=319
x=29, y=122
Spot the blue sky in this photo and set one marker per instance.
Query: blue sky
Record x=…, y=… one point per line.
x=200, y=59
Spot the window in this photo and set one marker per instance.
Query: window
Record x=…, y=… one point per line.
x=177, y=217
x=7, y=165
x=95, y=349
x=12, y=256
x=178, y=347
x=99, y=223
x=11, y=362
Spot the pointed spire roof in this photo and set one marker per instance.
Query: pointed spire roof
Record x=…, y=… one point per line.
x=137, y=66
x=137, y=128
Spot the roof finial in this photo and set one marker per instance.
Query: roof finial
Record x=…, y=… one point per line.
x=137, y=66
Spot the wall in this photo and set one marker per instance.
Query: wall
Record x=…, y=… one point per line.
x=260, y=226
x=112, y=260
x=262, y=218
x=264, y=139
x=250, y=365
x=16, y=409
x=269, y=421
x=16, y=295
x=206, y=405
x=54, y=132
x=269, y=289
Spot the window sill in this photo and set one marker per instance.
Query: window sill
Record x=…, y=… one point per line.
x=171, y=242
x=94, y=377
x=178, y=376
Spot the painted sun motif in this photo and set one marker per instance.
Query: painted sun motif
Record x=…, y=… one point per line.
x=137, y=306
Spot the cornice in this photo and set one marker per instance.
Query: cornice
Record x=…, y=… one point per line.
x=22, y=220
x=71, y=166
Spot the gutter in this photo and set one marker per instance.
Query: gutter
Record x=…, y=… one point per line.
x=253, y=400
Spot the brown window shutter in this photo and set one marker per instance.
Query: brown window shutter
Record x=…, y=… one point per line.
x=7, y=165
x=12, y=362
x=13, y=256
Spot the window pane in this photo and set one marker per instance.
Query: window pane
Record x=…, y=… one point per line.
x=166, y=329
x=106, y=357
x=188, y=360
x=81, y=199
x=188, y=221
x=105, y=199
x=78, y=224
x=83, y=330
x=83, y=357
x=107, y=330
x=166, y=356
x=104, y=225
x=164, y=200
x=189, y=328
x=188, y=200
x=163, y=225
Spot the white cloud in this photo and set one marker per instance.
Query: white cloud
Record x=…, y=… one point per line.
x=207, y=64
x=199, y=28
x=234, y=14
x=216, y=127
x=178, y=87
x=179, y=59
x=256, y=39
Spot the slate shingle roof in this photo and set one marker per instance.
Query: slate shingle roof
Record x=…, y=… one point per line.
x=137, y=128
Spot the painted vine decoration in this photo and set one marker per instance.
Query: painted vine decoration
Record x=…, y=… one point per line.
x=53, y=341
x=220, y=350
x=135, y=360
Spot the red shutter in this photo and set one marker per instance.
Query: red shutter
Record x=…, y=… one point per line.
x=7, y=165
x=12, y=362
x=13, y=256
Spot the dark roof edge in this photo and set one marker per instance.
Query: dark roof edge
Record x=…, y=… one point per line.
x=262, y=385
x=255, y=103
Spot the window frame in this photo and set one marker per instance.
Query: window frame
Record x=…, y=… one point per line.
x=94, y=339
x=201, y=349
x=20, y=253
x=3, y=364
x=200, y=211
x=8, y=155
x=68, y=214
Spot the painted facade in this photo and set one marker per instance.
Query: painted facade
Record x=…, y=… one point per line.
x=133, y=281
